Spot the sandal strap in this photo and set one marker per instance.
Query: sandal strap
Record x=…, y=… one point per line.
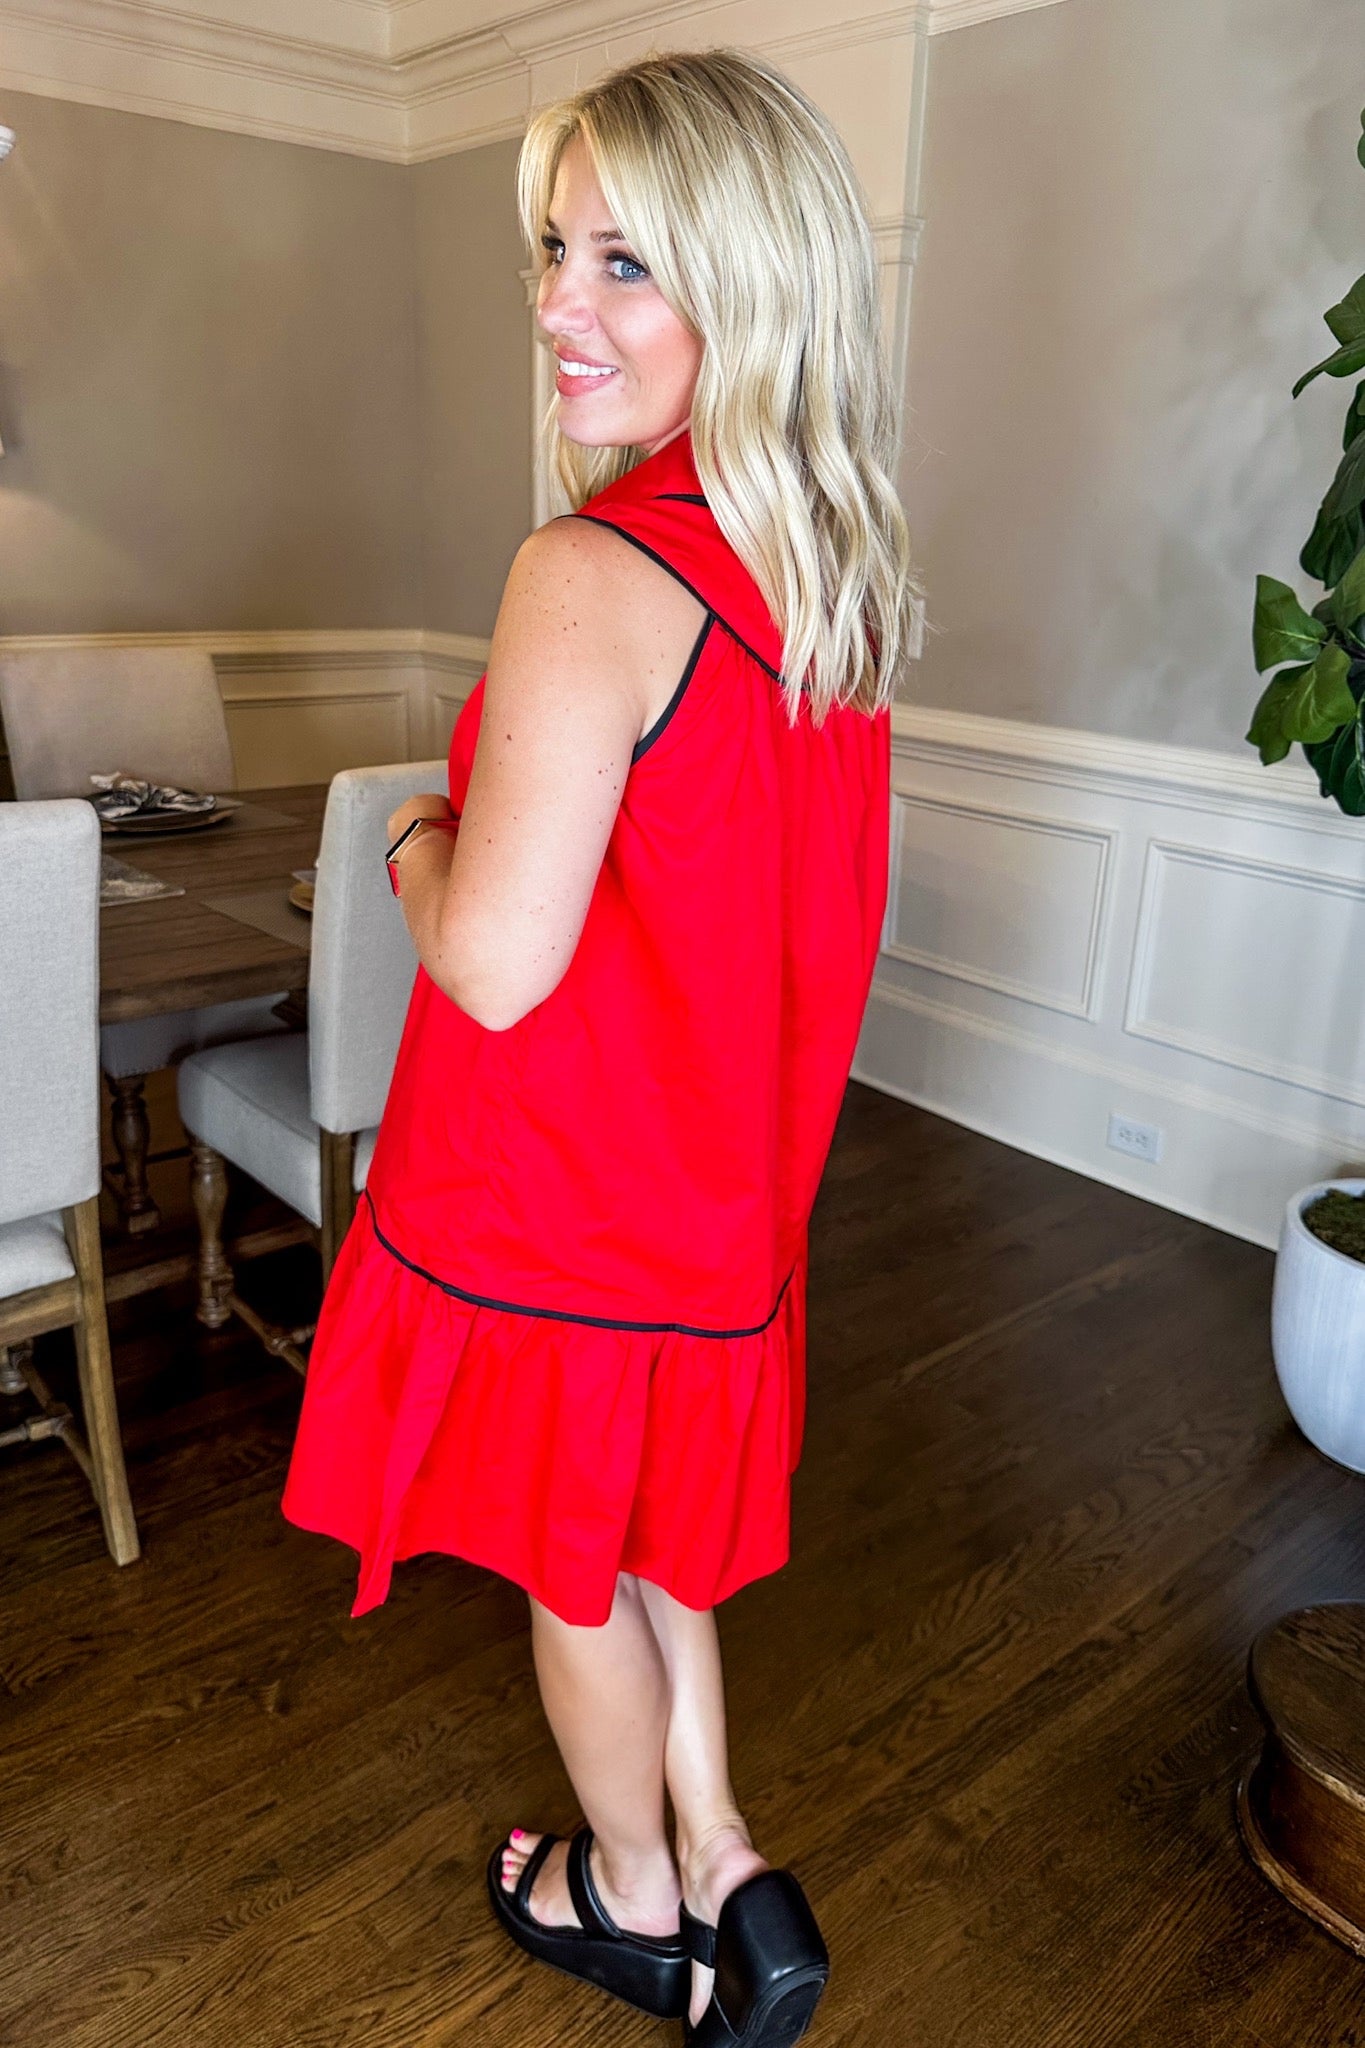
x=698, y=1938
x=593, y=1916
x=531, y=1871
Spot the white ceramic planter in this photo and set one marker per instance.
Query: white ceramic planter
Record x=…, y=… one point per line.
x=1317, y=1333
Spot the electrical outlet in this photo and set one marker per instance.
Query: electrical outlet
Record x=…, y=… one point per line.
x=1142, y=1141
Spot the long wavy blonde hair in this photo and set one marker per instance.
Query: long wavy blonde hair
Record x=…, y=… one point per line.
x=737, y=194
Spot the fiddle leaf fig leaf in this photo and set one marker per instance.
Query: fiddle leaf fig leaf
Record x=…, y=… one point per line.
x=1266, y=731
x=1355, y=417
x=1339, y=764
x=1282, y=630
x=1321, y=698
x=1309, y=702
x=1332, y=547
x=1348, y=485
x=1343, y=770
x=1343, y=363
x=1347, y=320
x=1348, y=599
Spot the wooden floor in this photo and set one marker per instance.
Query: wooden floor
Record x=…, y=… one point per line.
x=992, y=1713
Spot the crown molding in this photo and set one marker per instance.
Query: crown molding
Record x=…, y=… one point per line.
x=945, y=15
x=400, y=80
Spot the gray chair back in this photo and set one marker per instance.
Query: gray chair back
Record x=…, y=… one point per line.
x=363, y=963
x=70, y=712
x=49, y=1007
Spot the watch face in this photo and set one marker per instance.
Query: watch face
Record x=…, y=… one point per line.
x=403, y=838
x=391, y=857
x=451, y=824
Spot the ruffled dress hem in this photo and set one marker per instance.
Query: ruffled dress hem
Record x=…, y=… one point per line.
x=555, y=1453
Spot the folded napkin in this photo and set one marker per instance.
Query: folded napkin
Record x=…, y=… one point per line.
x=122, y=883
x=125, y=796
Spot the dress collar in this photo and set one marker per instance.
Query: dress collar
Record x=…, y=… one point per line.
x=670, y=468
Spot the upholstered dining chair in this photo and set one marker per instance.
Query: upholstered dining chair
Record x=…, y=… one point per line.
x=51, y=1276
x=300, y=1114
x=157, y=712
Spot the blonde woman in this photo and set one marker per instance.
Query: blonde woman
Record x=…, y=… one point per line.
x=565, y=1336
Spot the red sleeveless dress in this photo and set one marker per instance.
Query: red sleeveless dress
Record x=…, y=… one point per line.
x=565, y=1335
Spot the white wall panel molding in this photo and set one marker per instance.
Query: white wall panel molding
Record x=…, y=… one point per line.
x=302, y=711
x=896, y=238
x=401, y=82
x=301, y=705
x=1214, y=996
x=1113, y=1072
x=1288, y=1007
x=1237, y=1166
x=453, y=663
x=1192, y=777
x=302, y=645
x=1017, y=901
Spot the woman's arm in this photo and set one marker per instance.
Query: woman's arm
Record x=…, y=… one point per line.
x=590, y=635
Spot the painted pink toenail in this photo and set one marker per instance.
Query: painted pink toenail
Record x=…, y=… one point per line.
x=516, y=1834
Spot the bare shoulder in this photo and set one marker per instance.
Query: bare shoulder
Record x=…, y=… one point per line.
x=584, y=553
x=581, y=593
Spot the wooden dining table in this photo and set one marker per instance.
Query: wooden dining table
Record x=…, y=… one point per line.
x=204, y=945
x=180, y=952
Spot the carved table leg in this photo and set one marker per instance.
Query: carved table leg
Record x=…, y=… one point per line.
x=208, y=1185
x=132, y=1136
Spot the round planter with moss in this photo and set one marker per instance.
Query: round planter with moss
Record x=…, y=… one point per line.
x=1318, y=1325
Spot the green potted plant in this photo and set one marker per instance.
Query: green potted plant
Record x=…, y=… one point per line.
x=1316, y=699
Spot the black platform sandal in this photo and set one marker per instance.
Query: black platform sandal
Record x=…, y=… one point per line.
x=651, y=1971
x=770, y=1961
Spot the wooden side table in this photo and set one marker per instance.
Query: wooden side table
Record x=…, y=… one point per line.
x=1301, y=1805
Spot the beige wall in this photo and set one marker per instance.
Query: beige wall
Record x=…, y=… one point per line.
x=251, y=384
x=475, y=353
x=1137, y=211
x=210, y=391
x=209, y=379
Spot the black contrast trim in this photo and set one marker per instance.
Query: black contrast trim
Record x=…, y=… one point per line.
x=643, y=745
x=655, y=556
x=683, y=497
x=555, y=1315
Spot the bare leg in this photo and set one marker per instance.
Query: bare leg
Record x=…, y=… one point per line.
x=715, y=1852
x=605, y=1692
x=630, y=1704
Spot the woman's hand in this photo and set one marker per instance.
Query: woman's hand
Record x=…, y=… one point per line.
x=418, y=807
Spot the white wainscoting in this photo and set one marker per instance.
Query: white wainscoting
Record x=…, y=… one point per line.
x=1079, y=925
x=302, y=705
